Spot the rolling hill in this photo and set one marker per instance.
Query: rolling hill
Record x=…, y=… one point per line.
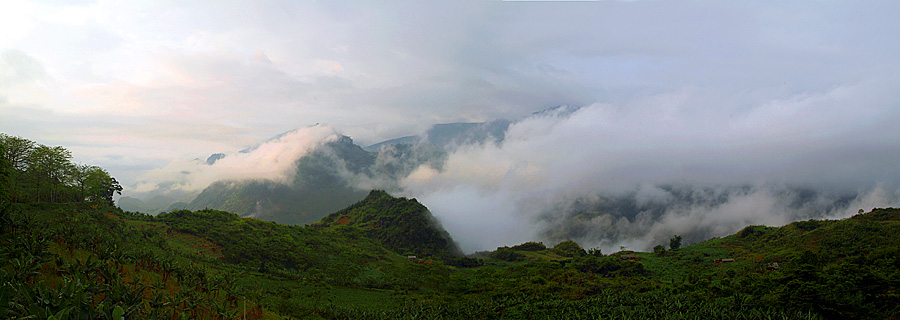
x=74, y=261
x=402, y=225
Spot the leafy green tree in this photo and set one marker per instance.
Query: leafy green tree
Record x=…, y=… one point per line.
x=5, y=170
x=49, y=166
x=16, y=152
x=81, y=176
x=660, y=250
x=100, y=186
x=675, y=242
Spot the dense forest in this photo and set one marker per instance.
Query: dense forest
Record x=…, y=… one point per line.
x=67, y=253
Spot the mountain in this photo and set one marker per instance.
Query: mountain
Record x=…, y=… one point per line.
x=155, y=204
x=332, y=176
x=214, y=157
x=320, y=186
x=326, y=180
x=451, y=134
x=391, y=142
x=402, y=225
x=562, y=110
x=132, y=204
x=446, y=135
x=636, y=214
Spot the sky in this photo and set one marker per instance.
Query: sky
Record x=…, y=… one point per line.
x=716, y=92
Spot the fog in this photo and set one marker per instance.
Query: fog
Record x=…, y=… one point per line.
x=690, y=162
x=695, y=162
x=273, y=160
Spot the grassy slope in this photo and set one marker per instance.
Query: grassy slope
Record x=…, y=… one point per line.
x=837, y=269
x=204, y=264
x=211, y=257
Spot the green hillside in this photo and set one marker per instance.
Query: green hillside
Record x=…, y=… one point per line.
x=82, y=262
x=846, y=269
x=79, y=262
x=66, y=253
x=402, y=225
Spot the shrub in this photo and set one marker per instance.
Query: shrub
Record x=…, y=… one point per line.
x=675, y=242
x=507, y=254
x=660, y=250
x=808, y=225
x=530, y=246
x=569, y=248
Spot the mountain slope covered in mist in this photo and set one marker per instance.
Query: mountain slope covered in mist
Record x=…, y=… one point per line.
x=330, y=177
x=324, y=181
x=584, y=173
x=318, y=187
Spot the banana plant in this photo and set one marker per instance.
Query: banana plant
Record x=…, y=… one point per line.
x=111, y=312
x=43, y=302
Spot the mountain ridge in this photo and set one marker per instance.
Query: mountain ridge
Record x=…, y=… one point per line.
x=400, y=224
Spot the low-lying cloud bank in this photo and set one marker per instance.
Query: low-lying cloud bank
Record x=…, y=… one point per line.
x=691, y=162
x=695, y=162
x=273, y=160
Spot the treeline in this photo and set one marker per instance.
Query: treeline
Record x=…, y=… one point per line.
x=31, y=172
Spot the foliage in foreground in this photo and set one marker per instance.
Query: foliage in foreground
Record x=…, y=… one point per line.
x=74, y=261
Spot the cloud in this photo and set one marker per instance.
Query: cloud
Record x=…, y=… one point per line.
x=698, y=213
x=23, y=79
x=687, y=137
x=260, y=68
x=274, y=160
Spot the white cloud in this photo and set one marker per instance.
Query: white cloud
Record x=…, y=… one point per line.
x=273, y=160
x=673, y=138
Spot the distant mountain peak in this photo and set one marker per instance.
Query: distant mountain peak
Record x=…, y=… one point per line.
x=401, y=140
x=563, y=110
x=214, y=157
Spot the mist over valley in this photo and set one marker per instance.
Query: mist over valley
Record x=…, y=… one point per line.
x=564, y=173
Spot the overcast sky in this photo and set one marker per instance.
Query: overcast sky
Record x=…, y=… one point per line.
x=133, y=85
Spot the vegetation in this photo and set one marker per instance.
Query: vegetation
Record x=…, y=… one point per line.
x=402, y=225
x=73, y=261
x=65, y=254
x=32, y=173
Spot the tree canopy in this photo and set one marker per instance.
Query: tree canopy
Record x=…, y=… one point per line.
x=31, y=172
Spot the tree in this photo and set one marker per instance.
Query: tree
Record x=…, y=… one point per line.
x=5, y=170
x=675, y=242
x=660, y=249
x=80, y=175
x=49, y=166
x=16, y=152
x=101, y=187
